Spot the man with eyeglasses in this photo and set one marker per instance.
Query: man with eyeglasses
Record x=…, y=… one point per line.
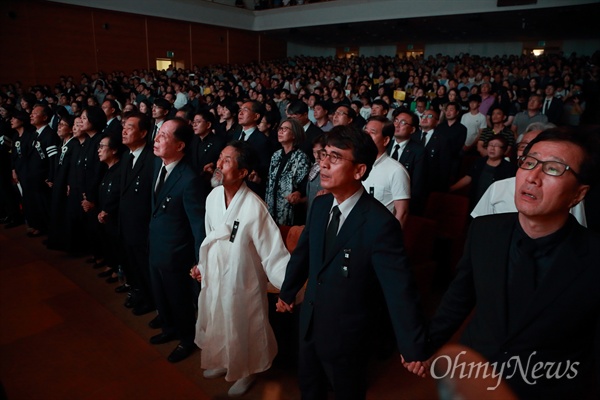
x=409, y=152
x=352, y=254
x=343, y=115
x=500, y=196
x=531, y=278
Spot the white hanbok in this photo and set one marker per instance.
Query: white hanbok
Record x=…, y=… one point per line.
x=233, y=327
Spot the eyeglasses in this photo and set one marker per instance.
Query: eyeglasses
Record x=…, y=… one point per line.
x=401, y=122
x=340, y=113
x=552, y=168
x=101, y=146
x=284, y=128
x=429, y=116
x=333, y=157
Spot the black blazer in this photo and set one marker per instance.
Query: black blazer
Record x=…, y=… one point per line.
x=560, y=323
x=342, y=310
x=136, y=192
x=260, y=143
x=177, y=222
x=413, y=159
x=114, y=128
x=312, y=133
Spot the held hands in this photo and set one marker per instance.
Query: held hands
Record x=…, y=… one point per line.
x=195, y=273
x=102, y=217
x=282, y=306
x=420, y=368
x=253, y=177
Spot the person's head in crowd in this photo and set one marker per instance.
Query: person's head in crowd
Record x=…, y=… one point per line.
x=290, y=134
x=161, y=109
x=186, y=112
x=429, y=120
x=405, y=123
x=531, y=132
x=94, y=120
x=136, y=126
x=534, y=104
x=452, y=111
x=343, y=115
x=203, y=123
x=111, y=109
x=40, y=115
x=64, y=128
x=229, y=109
x=235, y=163
x=172, y=140
x=269, y=123
x=347, y=160
x=20, y=120
x=298, y=110
x=379, y=108
x=421, y=104
x=497, y=115
x=318, y=144
x=92, y=101
x=27, y=102
x=496, y=147
x=381, y=131
x=453, y=95
x=110, y=149
x=170, y=97
x=555, y=173
x=549, y=90
x=145, y=107
x=486, y=89
x=474, y=102
x=441, y=91
x=321, y=110
x=250, y=114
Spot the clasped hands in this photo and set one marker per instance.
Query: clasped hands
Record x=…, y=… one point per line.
x=420, y=368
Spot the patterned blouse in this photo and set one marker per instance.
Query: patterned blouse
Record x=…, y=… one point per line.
x=281, y=185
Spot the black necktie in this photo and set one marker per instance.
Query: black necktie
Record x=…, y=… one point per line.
x=243, y=136
x=332, y=230
x=424, y=138
x=154, y=132
x=161, y=180
x=395, y=154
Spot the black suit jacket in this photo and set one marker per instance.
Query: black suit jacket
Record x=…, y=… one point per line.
x=554, y=111
x=177, y=222
x=114, y=128
x=136, y=190
x=260, y=143
x=413, y=159
x=339, y=311
x=560, y=323
x=438, y=160
x=312, y=133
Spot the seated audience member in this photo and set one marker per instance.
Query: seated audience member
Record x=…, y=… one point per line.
x=498, y=128
x=321, y=113
x=486, y=170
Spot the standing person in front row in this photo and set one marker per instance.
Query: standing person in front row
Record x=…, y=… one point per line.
x=176, y=231
x=532, y=279
x=243, y=250
x=352, y=254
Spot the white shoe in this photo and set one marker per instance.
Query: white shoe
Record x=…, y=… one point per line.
x=214, y=373
x=241, y=386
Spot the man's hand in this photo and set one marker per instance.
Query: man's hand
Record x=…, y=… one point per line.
x=420, y=368
x=294, y=197
x=195, y=273
x=282, y=306
x=102, y=217
x=253, y=177
x=209, y=168
x=322, y=192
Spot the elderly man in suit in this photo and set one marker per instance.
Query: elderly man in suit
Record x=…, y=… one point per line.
x=531, y=278
x=176, y=231
x=352, y=254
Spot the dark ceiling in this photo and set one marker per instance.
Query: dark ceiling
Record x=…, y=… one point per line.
x=558, y=23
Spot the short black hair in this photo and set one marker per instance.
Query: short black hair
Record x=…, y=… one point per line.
x=246, y=155
x=588, y=143
x=297, y=107
x=350, y=137
x=183, y=132
x=379, y=102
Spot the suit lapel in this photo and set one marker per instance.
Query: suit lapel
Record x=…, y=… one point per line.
x=130, y=175
x=172, y=179
x=352, y=224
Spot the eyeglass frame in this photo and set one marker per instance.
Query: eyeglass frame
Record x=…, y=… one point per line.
x=521, y=161
x=333, y=157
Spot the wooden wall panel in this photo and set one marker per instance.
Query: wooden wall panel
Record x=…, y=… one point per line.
x=168, y=35
x=209, y=45
x=272, y=49
x=120, y=41
x=43, y=40
x=243, y=46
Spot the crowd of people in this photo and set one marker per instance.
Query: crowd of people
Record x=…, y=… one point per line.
x=159, y=175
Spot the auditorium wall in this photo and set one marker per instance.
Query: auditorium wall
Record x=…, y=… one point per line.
x=42, y=40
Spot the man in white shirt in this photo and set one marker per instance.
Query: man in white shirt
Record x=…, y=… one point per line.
x=473, y=120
